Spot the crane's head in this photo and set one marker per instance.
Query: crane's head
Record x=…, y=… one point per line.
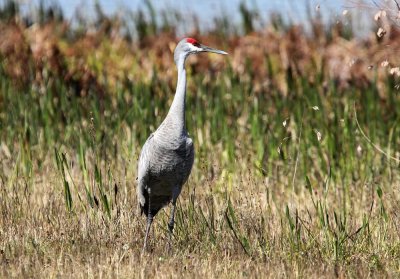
x=189, y=46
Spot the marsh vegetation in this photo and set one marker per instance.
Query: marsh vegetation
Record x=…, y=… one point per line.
x=296, y=134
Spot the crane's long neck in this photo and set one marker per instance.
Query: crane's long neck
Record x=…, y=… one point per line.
x=176, y=112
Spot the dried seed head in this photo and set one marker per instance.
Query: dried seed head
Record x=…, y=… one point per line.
x=381, y=32
x=395, y=71
x=319, y=135
x=380, y=14
x=384, y=63
x=284, y=123
x=359, y=149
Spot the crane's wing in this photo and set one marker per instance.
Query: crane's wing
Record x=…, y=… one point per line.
x=143, y=171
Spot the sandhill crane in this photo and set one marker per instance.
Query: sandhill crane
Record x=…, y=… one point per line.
x=167, y=156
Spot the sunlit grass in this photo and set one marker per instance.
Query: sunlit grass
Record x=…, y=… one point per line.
x=284, y=183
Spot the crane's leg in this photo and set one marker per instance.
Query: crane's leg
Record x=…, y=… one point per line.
x=149, y=221
x=171, y=223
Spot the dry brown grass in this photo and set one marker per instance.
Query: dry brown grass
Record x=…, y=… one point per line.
x=40, y=238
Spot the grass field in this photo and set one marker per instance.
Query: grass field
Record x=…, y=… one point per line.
x=297, y=170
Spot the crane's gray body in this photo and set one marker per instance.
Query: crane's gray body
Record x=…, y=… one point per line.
x=167, y=156
x=164, y=166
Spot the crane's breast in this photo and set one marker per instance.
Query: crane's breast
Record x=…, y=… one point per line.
x=170, y=165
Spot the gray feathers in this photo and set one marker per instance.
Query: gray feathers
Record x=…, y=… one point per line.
x=167, y=156
x=164, y=166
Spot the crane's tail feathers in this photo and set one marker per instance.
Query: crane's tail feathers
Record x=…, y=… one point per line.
x=144, y=209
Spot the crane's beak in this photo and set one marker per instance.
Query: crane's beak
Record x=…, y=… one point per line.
x=209, y=49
